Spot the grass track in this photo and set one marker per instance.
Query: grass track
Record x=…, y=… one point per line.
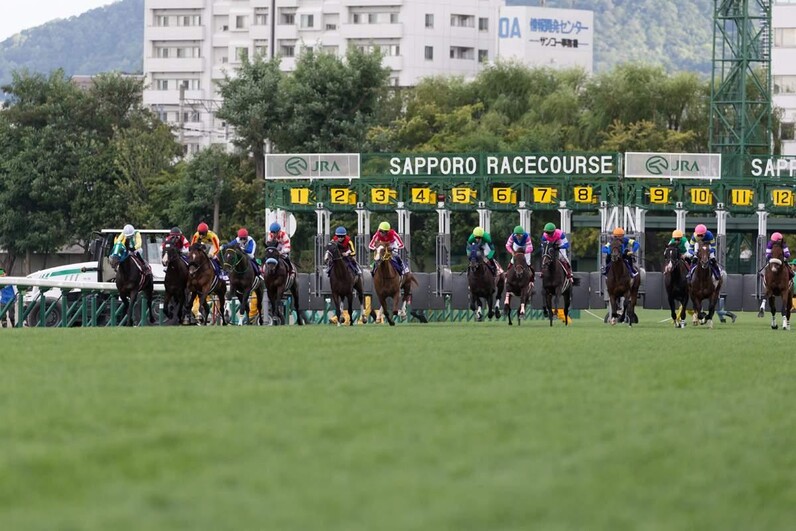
x=464, y=426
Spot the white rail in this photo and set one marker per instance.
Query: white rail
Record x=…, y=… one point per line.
x=64, y=284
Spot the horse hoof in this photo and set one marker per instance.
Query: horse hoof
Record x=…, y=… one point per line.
x=761, y=314
x=510, y=323
x=709, y=323
x=774, y=327
x=392, y=323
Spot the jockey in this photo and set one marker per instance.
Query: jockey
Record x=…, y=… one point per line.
x=346, y=246
x=680, y=240
x=280, y=239
x=484, y=242
x=386, y=235
x=629, y=248
x=131, y=239
x=181, y=241
x=556, y=237
x=518, y=240
x=209, y=239
x=777, y=237
x=246, y=243
x=702, y=236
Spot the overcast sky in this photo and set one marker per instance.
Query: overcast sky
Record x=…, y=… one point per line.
x=16, y=15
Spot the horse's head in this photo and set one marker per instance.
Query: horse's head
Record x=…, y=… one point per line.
x=703, y=256
x=171, y=250
x=549, y=254
x=271, y=259
x=671, y=255
x=383, y=253
x=197, y=257
x=616, y=249
x=519, y=261
x=232, y=256
x=332, y=252
x=118, y=255
x=475, y=254
x=777, y=251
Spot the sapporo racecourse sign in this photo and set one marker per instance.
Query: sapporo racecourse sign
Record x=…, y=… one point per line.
x=502, y=165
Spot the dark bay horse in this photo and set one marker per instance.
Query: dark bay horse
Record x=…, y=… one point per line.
x=176, y=280
x=701, y=286
x=519, y=283
x=387, y=282
x=244, y=280
x=619, y=283
x=481, y=283
x=777, y=283
x=555, y=283
x=278, y=280
x=675, y=280
x=202, y=281
x=132, y=277
x=344, y=282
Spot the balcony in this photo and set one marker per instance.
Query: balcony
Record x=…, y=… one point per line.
x=174, y=65
x=395, y=63
x=371, y=31
x=175, y=33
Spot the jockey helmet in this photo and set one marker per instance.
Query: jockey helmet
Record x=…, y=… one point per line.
x=128, y=230
x=519, y=230
x=619, y=232
x=175, y=230
x=243, y=233
x=478, y=232
x=202, y=228
x=550, y=227
x=384, y=226
x=677, y=233
x=700, y=230
x=776, y=237
x=340, y=231
x=275, y=227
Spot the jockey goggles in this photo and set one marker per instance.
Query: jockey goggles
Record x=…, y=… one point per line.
x=700, y=236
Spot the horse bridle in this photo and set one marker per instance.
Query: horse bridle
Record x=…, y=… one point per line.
x=239, y=255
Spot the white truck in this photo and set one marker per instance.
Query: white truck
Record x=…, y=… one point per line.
x=97, y=270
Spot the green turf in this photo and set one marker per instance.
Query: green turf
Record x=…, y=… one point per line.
x=464, y=426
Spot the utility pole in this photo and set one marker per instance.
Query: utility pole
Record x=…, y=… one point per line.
x=180, y=120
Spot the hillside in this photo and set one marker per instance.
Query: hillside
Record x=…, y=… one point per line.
x=103, y=39
x=677, y=35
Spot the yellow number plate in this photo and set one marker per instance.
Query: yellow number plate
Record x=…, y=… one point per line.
x=583, y=194
x=382, y=196
x=342, y=196
x=463, y=195
x=782, y=198
x=742, y=196
x=545, y=195
x=504, y=195
x=701, y=196
x=423, y=196
x=300, y=196
x=659, y=195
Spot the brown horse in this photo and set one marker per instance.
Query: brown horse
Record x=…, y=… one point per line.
x=343, y=282
x=244, y=279
x=280, y=279
x=387, y=282
x=555, y=282
x=777, y=283
x=202, y=281
x=702, y=286
x=675, y=280
x=519, y=283
x=132, y=277
x=620, y=283
x=176, y=280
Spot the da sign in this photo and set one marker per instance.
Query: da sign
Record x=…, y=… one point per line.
x=673, y=165
x=312, y=166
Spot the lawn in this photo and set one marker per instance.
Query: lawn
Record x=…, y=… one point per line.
x=441, y=426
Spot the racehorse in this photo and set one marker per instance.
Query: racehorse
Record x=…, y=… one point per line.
x=675, y=280
x=278, y=280
x=481, y=282
x=519, y=282
x=244, y=280
x=555, y=283
x=701, y=286
x=387, y=282
x=778, y=283
x=202, y=281
x=344, y=282
x=620, y=283
x=132, y=277
x=176, y=281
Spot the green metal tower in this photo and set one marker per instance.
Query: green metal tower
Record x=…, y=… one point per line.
x=740, y=92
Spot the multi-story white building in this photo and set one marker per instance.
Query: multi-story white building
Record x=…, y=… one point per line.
x=193, y=43
x=783, y=70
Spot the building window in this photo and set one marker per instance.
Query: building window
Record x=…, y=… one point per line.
x=785, y=37
x=162, y=21
x=307, y=21
x=483, y=56
x=189, y=20
x=463, y=21
x=429, y=20
x=242, y=54
x=483, y=24
x=461, y=52
x=784, y=84
x=373, y=18
x=787, y=131
x=287, y=18
x=393, y=18
x=261, y=48
x=330, y=49
x=331, y=27
x=260, y=17
x=287, y=49
x=241, y=22
x=429, y=53
x=163, y=84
